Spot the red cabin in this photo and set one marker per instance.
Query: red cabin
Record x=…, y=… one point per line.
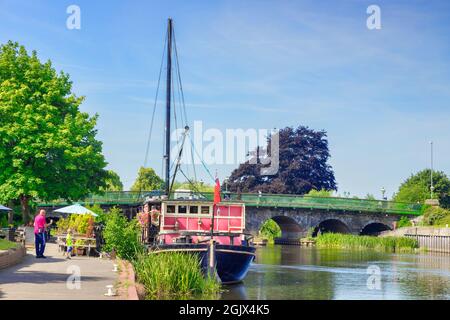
x=190, y=221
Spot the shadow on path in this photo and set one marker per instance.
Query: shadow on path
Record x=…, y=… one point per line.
x=36, y=277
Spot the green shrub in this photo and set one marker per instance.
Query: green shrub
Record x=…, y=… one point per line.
x=78, y=223
x=174, y=275
x=3, y=220
x=404, y=222
x=99, y=212
x=121, y=235
x=320, y=193
x=436, y=216
x=80, y=243
x=270, y=230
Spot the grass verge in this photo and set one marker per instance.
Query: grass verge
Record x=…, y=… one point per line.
x=6, y=245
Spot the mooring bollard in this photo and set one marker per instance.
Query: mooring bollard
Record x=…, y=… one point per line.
x=110, y=292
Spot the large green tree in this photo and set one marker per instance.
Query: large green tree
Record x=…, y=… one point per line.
x=417, y=188
x=113, y=182
x=147, y=180
x=48, y=148
x=303, y=165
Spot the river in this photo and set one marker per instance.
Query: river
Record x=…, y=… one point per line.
x=293, y=272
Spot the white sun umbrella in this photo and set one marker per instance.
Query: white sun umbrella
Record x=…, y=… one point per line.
x=3, y=208
x=76, y=209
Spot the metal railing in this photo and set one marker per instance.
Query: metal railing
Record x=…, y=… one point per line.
x=259, y=200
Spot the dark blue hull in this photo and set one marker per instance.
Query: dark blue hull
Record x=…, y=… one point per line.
x=232, y=262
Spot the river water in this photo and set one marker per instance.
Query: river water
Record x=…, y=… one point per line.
x=293, y=272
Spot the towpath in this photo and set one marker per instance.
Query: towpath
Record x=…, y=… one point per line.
x=56, y=278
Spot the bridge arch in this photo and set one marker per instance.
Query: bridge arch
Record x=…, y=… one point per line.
x=374, y=229
x=331, y=225
x=290, y=229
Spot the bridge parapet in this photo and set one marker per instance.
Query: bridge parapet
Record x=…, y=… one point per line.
x=263, y=200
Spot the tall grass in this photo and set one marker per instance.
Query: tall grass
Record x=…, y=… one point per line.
x=174, y=275
x=346, y=241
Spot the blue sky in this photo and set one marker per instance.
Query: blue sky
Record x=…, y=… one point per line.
x=381, y=95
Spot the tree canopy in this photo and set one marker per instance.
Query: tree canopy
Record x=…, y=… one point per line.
x=194, y=186
x=113, y=182
x=303, y=166
x=48, y=148
x=417, y=188
x=147, y=180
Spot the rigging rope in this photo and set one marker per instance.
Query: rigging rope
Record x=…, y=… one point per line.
x=183, y=103
x=155, y=103
x=154, y=111
x=203, y=163
x=182, y=116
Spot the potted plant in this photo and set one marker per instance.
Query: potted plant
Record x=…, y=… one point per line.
x=79, y=247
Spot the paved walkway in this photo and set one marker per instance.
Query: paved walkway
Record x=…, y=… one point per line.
x=46, y=279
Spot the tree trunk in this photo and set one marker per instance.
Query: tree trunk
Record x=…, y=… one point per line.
x=24, y=202
x=11, y=213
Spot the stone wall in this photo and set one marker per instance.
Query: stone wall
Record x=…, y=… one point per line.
x=423, y=231
x=11, y=257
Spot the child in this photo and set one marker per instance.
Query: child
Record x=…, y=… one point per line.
x=69, y=244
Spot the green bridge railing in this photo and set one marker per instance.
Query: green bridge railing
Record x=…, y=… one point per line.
x=257, y=200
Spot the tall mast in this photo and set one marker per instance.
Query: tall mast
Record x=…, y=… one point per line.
x=168, y=96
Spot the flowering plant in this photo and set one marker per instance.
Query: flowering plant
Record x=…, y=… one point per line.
x=143, y=218
x=155, y=216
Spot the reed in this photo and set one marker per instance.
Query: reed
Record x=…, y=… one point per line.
x=174, y=275
x=346, y=241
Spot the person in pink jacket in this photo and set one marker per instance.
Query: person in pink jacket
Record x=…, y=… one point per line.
x=39, y=234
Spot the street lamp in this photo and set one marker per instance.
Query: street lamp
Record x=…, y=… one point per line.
x=383, y=191
x=431, y=174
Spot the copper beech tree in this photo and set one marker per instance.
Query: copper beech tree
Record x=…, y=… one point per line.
x=303, y=166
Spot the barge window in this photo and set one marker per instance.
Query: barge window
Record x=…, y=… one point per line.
x=182, y=209
x=205, y=210
x=193, y=209
x=171, y=209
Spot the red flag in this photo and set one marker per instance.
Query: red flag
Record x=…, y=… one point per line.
x=217, y=192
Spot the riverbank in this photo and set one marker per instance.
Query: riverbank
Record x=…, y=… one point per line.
x=346, y=241
x=429, y=238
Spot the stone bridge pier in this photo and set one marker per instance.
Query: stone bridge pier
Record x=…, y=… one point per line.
x=295, y=223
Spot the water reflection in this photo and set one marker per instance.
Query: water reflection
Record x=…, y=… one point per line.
x=291, y=272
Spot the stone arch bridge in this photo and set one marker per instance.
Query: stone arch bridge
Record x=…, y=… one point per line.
x=298, y=222
x=296, y=215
